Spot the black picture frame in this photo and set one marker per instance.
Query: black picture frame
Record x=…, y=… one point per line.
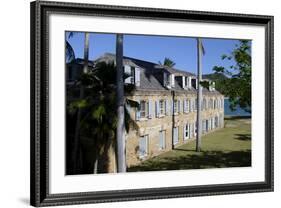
x=39, y=188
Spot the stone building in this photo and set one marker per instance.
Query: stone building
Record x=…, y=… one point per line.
x=166, y=117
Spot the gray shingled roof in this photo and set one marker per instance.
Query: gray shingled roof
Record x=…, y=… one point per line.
x=148, y=72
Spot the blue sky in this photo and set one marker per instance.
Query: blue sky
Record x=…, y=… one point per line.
x=182, y=50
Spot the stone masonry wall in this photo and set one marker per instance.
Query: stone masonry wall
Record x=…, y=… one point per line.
x=152, y=126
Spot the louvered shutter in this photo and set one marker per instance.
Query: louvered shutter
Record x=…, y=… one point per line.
x=166, y=107
x=138, y=111
x=149, y=108
x=189, y=82
x=184, y=130
x=127, y=70
x=172, y=80
x=157, y=110
x=172, y=107
x=183, y=82
x=137, y=77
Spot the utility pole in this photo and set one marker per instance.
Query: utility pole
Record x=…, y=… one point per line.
x=200, y=51
x=121, y=146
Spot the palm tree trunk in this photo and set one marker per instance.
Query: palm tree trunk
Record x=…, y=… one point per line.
x=121, y=154
x=76, y=162
x=199, y=94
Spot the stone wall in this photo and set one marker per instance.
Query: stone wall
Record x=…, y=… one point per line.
x=152, y=126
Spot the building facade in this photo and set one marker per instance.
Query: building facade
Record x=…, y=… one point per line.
x=167, y=113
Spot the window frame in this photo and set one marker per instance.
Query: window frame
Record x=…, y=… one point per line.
x=146, y=103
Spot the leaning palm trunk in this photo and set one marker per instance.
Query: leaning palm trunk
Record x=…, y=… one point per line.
x=77, y=162
x=121, y=157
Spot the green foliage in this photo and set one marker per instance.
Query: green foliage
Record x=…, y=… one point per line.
x=167, y=62
x=237, y=85
x=70, y=54
x=98, y=105
x=204, y=84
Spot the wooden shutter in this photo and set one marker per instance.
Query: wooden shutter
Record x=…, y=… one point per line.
x=176, y=135
x=143, y=144
x=172, y=107
x=184, y=130
x=172, y=80
x=189, y=82
x=166, y=107
x=162, y=139
x=149, y=108
x=157, y=110
x=138, y=111
x=183, y=82
x=127, y=70
x=137, y=77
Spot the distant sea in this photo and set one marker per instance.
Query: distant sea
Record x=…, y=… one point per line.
x=238, y=112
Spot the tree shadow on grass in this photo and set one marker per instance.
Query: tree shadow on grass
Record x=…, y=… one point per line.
x=237, y=117
x=205, y=159
x=243, y=137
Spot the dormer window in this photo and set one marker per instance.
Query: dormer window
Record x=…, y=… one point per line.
x=212, y=86
x=132, y=75
x=169, y=80
x=166, y=80
x=185, y=82
x=172, y=77
x=194, y=83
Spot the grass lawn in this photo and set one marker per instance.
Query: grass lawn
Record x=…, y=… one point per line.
x=227, y=147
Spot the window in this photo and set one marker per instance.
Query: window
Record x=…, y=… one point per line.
x=143, y=109
x=130, y=72
x=176, y=106
x=186, y=106
x=186, y=82
x=194, y=83
x=166, y=79
x=204, y=104
x=186, y=131
x=162, y=107
x=143, y=146
x=216, y=122
x=176, y=135
x=162, y=139
x=210, y=104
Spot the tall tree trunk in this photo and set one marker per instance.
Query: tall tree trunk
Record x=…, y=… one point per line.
x=81, y=96
x=199, y=94
x=121, y=154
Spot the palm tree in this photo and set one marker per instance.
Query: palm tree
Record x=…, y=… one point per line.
x=167, y=62
x=70, y=54
x=76, y=161
x=99, y=119
x=121, y=157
